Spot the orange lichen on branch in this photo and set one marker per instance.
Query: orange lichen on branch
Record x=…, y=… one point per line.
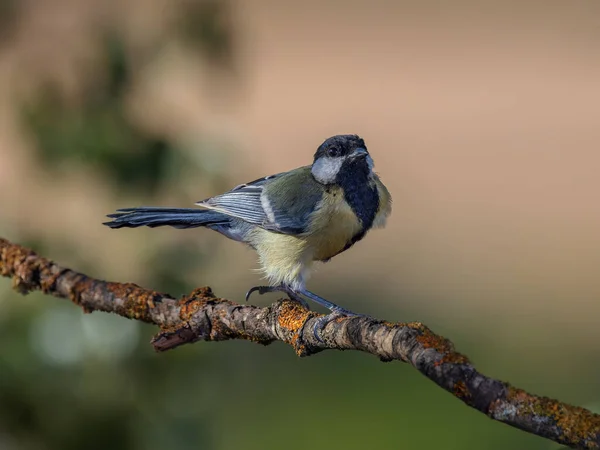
x=11, y=257
x=137, y=301
x=81, y=286
x=192, y=303
x=292, y=317
x=461, y=390
x=48, y=283
x=428, y=339
x=578, y=427
x=27, y=269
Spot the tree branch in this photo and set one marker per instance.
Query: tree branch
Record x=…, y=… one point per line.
x=202, y=316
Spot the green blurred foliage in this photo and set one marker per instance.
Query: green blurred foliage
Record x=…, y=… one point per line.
x=90, y=390
x=96, y=134
x=96, y=401
x=207, y=26
x=97, y=131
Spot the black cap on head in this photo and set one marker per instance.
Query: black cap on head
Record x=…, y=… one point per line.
x=340, y=145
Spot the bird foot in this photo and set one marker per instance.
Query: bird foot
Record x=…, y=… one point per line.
x=261, y=290
x=266, y=289
x=322, y=321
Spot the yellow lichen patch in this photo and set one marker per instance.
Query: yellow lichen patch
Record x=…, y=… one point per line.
x=443, y=346
x=579, y=427
x=292, y=316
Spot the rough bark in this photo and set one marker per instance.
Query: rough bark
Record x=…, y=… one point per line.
x=203, y=316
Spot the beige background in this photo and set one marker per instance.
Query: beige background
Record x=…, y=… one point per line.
x=482, y=118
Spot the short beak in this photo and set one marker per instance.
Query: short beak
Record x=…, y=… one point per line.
x=357, y=153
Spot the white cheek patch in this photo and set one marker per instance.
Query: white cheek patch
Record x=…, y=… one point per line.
x=325, y=169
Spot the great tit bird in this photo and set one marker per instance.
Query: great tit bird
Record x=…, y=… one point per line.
x=291, y=219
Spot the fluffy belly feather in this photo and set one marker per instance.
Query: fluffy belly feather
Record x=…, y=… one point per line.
x=284, y=259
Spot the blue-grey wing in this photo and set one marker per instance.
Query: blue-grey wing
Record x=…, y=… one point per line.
x=281, y=203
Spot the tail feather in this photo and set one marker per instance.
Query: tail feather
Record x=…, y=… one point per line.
x=158, y=217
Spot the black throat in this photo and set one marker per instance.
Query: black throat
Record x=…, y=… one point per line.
x=360, y=192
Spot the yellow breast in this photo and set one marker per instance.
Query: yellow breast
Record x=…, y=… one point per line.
x=333, y=227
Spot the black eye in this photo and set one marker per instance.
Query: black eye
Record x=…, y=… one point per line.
x=333, y=152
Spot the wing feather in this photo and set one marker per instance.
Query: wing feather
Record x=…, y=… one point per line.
x=277, y=212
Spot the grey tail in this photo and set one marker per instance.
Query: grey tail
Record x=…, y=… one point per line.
x=159, y=217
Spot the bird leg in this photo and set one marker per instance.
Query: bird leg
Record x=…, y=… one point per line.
x=261, y=290
x=280, y=288
x=336, y=311
x=296, y=295
x=321, y=323
x=326, y=303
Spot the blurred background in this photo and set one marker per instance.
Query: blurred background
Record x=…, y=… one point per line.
x=483, y=120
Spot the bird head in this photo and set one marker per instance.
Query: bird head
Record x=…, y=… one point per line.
x=339, y=156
